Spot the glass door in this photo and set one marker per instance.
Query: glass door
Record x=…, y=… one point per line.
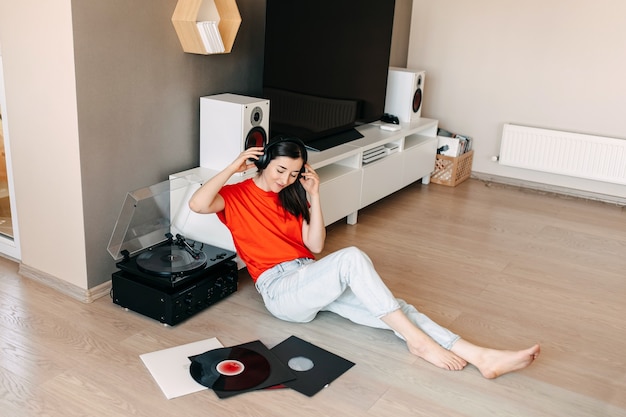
x=9, y=242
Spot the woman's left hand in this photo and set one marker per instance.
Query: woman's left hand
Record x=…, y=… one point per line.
x=313, y=231
x=310, y=180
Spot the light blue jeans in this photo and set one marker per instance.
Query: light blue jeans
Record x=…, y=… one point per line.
x=344, y=282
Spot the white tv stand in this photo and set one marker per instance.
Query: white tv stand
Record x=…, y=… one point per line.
x=347, y=184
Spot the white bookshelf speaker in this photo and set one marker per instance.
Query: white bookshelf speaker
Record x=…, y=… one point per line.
x=405, y=92
x=230, y=124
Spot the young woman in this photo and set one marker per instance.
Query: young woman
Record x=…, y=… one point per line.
x=277, y=231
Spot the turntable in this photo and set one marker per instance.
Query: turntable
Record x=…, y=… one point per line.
x=162, y=274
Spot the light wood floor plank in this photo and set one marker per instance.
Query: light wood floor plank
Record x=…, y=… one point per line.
x=499, y=265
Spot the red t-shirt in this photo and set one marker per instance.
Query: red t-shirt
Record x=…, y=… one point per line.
x=264, y=233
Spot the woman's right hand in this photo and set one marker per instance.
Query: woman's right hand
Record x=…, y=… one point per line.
x=207, y=199
x=246, y=159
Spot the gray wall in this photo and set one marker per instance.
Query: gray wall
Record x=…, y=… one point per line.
x=138, y=102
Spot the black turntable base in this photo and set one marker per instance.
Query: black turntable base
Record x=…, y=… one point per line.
x=172, y=306
x=174, y=280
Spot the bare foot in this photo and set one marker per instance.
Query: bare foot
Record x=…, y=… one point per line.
x=431, y=352
x=421, y=344
x=493, y=363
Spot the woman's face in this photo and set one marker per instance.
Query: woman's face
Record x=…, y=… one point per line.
x=281, y=172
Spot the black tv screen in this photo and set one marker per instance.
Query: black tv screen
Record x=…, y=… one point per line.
x=326, y=65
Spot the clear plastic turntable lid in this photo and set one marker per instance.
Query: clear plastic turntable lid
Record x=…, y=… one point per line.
x=145, y=218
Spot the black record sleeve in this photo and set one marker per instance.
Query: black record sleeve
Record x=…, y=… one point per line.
x=326, y=365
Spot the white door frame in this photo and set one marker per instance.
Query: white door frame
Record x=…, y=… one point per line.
x=8, y=246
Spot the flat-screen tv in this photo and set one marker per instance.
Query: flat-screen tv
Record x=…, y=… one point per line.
x=326, y=65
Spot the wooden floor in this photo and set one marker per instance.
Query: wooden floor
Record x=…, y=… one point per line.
x=501, y=266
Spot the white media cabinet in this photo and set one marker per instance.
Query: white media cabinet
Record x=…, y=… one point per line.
x=347, y=184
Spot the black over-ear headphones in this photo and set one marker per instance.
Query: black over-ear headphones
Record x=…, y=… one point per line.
x=265, y=159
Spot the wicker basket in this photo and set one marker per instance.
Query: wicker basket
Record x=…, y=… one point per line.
x=452, y=171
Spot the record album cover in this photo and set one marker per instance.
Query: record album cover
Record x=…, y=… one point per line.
x=313, y=366
x=170, y=367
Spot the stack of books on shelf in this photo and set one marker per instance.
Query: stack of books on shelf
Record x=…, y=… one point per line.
x=211, y=37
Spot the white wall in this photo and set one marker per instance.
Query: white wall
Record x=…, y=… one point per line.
x=41, y=110
x=557, y=64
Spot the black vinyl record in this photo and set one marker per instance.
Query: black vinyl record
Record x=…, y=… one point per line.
x=238, y=369
x=230, y=369
x=168, y=260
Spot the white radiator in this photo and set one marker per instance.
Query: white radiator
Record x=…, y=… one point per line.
x=584, y=156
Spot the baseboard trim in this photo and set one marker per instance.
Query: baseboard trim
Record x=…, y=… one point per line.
x=64, y=287
x=547, y=188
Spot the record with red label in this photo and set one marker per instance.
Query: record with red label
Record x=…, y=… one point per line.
x=230, y=369
x=234, y=370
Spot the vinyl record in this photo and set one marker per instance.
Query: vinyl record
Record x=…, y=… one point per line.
x=230, y=369
x=168, y=260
